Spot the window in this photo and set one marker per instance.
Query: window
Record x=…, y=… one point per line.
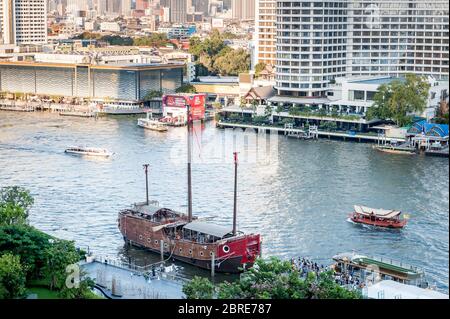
x=358, y=95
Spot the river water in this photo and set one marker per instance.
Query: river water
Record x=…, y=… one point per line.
x=297, y=197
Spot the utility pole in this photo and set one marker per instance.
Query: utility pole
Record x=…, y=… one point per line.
x=146, y=182
x=189, y=151
x=235, y=193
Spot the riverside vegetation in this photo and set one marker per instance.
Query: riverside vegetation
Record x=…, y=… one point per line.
x=31, y=261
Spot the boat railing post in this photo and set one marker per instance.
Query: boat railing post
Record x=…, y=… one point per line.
x=161, y=247
x=213, y=264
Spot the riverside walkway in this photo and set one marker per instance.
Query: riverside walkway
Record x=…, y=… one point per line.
x=120, y=282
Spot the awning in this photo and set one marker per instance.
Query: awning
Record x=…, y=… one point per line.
x=208, y=229
x=383, y=213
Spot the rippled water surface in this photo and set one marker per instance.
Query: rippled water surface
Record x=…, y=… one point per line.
x=298, y=199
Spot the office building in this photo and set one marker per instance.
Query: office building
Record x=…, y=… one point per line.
x=23, y=22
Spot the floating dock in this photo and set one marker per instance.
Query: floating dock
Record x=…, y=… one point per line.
x=361, y=137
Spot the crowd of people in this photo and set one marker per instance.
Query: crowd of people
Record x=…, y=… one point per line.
x=344, y=278
x=304, y=266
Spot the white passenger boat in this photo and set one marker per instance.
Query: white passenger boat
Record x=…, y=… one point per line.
x=88, y=151
x=152, y=124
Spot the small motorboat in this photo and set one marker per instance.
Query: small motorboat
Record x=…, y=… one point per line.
x=152, y=124
x=88, y=151
x=378, y=217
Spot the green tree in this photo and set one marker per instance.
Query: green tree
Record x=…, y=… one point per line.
x=28, y=243
x=15, y=203
x=83, y=291
x=268, y=111
x=274, y=279
x=279, y=109
x=398, y=99
x=233, y=62
x=152, y=95
x=58, y=256
x=186, y=88
x=259, y=68
x=12, y=277
x=199, y=288
x=154, y=40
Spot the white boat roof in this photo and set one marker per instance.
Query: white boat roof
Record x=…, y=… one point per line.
x=389, y=289
x=209, y=229
x=384, y=213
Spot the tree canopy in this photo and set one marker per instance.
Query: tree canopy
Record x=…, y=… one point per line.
x=272, y=279
x=397, y=100
x=12, y=277
x=215, y=57
x=15, y=203
x=186, y=88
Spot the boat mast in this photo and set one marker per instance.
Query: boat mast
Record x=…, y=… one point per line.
x=235, y=193
x=189, y=159
x=146, y=182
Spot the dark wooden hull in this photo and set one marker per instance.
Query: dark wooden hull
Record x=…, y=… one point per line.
x=230, y=265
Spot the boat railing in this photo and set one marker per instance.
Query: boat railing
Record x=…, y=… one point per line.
x=398, y=263
x=143, y=270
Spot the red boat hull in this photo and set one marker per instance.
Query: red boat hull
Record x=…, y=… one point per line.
x=378, y=222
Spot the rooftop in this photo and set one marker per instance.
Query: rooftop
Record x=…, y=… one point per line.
x=389, y=289
x=378, y=81
x=209, y=229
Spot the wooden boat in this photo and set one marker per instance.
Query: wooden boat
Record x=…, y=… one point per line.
x=185, y=238
x=377, y=217
x=88, y=151
x=396, y=150
x=152, y=124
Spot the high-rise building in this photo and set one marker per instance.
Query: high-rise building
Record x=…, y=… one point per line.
x=243, y=9
x=178, y=11
x=265, y=31
x=201, y=6
x=319, y=40
x=23, y=22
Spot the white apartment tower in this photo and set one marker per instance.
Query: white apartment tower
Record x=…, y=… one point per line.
x=319, y=40
x=23, y=22
x=265, y=31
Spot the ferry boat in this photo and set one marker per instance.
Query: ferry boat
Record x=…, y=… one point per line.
x=88, y=151
x=368, y=268
x=121, y=108
x=377, y=217
x=185, y=238
x=396, y=149
x=152, y=124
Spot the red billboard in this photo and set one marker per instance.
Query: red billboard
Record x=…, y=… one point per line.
x=196, y=104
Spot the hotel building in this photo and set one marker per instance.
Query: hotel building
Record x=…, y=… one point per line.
x=265, y=32
x=23, y=22
x=318, y=41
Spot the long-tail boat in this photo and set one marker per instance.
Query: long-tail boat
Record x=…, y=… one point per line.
x=378, y=217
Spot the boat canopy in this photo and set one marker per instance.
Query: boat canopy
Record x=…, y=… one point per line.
x=209, y=229
x=383, y=213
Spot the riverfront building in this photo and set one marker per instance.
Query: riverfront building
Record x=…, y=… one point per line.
x=265, y=31
x=319, y=41
x=125, y=82
x=23, y=22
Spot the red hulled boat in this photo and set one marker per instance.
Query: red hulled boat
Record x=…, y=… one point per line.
x=377, y=217
x=184, y=237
